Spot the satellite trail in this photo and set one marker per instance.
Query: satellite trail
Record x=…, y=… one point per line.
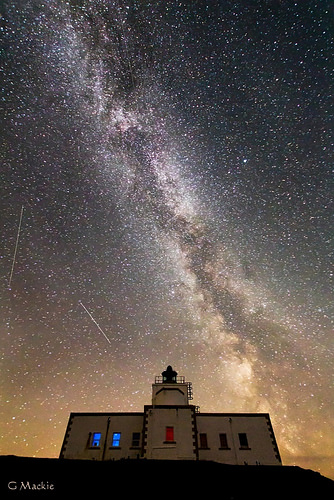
x=16, y=245
x=91, y=317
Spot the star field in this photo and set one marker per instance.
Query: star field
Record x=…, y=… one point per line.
x=174, y=165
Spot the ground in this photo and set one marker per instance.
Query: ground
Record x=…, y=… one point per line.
x=23, y=477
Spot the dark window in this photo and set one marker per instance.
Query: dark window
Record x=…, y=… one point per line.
x=96, y=439
x=116, y=439
x=203, y=441
x=223, y=441
x=243, y=440
x=169, y=433
x=135, y=439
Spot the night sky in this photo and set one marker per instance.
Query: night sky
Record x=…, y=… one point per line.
x=172, y=165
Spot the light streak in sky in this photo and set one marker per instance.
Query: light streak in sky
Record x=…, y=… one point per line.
x=16, y=246
x=96, y=323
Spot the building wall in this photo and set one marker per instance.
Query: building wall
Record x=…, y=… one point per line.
x=261, y=449
x=78, y=442
x=178, y=418
x=195, y=436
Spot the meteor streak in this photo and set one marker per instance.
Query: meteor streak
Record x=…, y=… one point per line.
x=91, y=317
x=15, y=251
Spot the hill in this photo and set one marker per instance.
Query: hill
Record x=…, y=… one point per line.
x=23, y=477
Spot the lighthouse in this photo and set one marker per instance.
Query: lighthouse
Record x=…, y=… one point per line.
x=169, y=423
x=169, y=389
x=172, y=428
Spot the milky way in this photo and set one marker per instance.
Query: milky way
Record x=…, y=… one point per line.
x=173, y=161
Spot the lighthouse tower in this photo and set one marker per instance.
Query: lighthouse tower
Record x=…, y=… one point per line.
x=169, y=423
x=169, y=389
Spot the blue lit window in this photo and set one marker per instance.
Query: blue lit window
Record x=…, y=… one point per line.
x=116, y=438
x=96, y=439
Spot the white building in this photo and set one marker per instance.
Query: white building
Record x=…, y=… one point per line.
x=172, y=429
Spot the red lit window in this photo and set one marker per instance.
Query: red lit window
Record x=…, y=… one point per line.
x=169, y=433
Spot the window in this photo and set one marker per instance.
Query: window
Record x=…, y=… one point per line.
x=96, y=439
x=135, y=439
x=203, y=441
x=223, y=442
x=170, y=434
x=243, y=441
x=116, y=438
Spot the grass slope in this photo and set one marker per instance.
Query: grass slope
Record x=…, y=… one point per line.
x=24, y=477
